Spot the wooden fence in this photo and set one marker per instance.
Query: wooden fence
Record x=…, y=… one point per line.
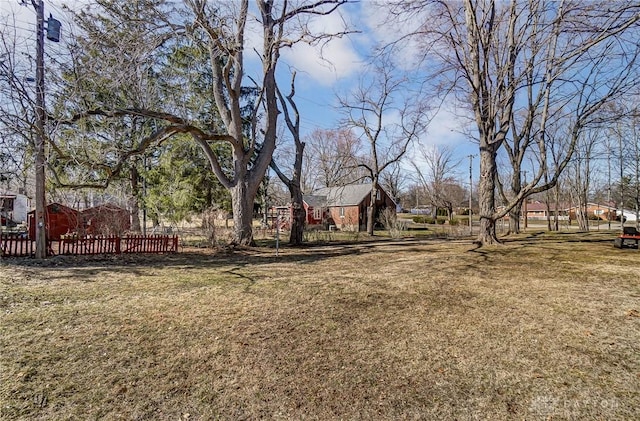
x=16, y=245
x=19, y=245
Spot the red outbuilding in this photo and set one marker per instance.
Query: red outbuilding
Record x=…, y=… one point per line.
x=106, y=219
x=60, y=220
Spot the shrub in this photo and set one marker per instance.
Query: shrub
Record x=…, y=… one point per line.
x=389, y=219
x=421, y=219
x=440, y=221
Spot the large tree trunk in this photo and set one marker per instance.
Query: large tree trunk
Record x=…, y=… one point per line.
x=298, y=217
x=514, y=219
x=548, y=206
x=486, y=196
x=135, y=195
x=370, y=215
x=556, y=216
x=582, y=217
x=298, y=214
x=371, y=209
x=242, y=203
x=516, y=187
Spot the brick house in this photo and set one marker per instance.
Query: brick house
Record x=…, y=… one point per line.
x=316, y=209
x=345, y=207
x=540, y=211
x=600, y=210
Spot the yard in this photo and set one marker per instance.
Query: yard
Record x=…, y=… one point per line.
x=546, y=326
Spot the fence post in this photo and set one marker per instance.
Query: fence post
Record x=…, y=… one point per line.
x=12, y=245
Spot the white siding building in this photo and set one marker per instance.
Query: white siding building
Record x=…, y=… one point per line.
x=14, y=206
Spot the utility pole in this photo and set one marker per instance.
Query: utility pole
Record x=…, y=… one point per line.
x=609, y=185
x=53, y=34
x=637, y=152
x=526, y=211
x=40, y=215
x=621, y=182
x=470, y=194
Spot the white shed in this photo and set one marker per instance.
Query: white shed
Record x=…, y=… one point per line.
x=629, y=215
x=14, y=206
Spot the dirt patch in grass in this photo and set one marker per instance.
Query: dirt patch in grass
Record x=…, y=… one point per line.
x=545, y=326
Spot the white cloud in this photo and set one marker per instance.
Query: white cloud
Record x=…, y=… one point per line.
x=325, y=62
x=385, y=30
x=446, y=128
x=336, y=60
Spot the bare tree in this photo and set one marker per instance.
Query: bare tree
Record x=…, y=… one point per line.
x=624, y=138
x=219, y=31
x=635, y=166
x=580, y=174
x=438, y=178
x=395, y=180
x=524, y=66
x=330, y=160
x=386, y=118
x=293, y=182
x=557, y=149
x=17, y=108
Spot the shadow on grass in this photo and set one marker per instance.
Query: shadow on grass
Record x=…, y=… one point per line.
x=307, y=254
x=237, y=258
x=185, y=259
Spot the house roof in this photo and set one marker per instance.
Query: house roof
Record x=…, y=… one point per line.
x=8, y=195
x=314, y=201
x=610, y=206
x=541, y=206
x=350, y=195
x=56, y=207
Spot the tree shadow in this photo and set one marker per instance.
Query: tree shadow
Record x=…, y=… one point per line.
x=238, y=258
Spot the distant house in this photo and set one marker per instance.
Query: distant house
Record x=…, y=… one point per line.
x=537, y=210
x=600, y=210
x=13, y=208
x=60, y=220
x=105, y=219
x=345, y=207
x=316, y=208
x=541, y=211
x=629, y=215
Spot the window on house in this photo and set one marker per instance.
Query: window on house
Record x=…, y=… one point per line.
x=341, y=212
x=6, y=204
x=378, y=194
x=317, y=213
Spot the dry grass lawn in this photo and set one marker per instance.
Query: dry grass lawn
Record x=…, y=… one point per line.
x=543, y=327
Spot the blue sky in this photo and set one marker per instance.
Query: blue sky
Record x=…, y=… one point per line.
x=320, y=74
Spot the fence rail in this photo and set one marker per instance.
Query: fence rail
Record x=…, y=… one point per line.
x=150, y=244
x=12, y=245
x=16, y=245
